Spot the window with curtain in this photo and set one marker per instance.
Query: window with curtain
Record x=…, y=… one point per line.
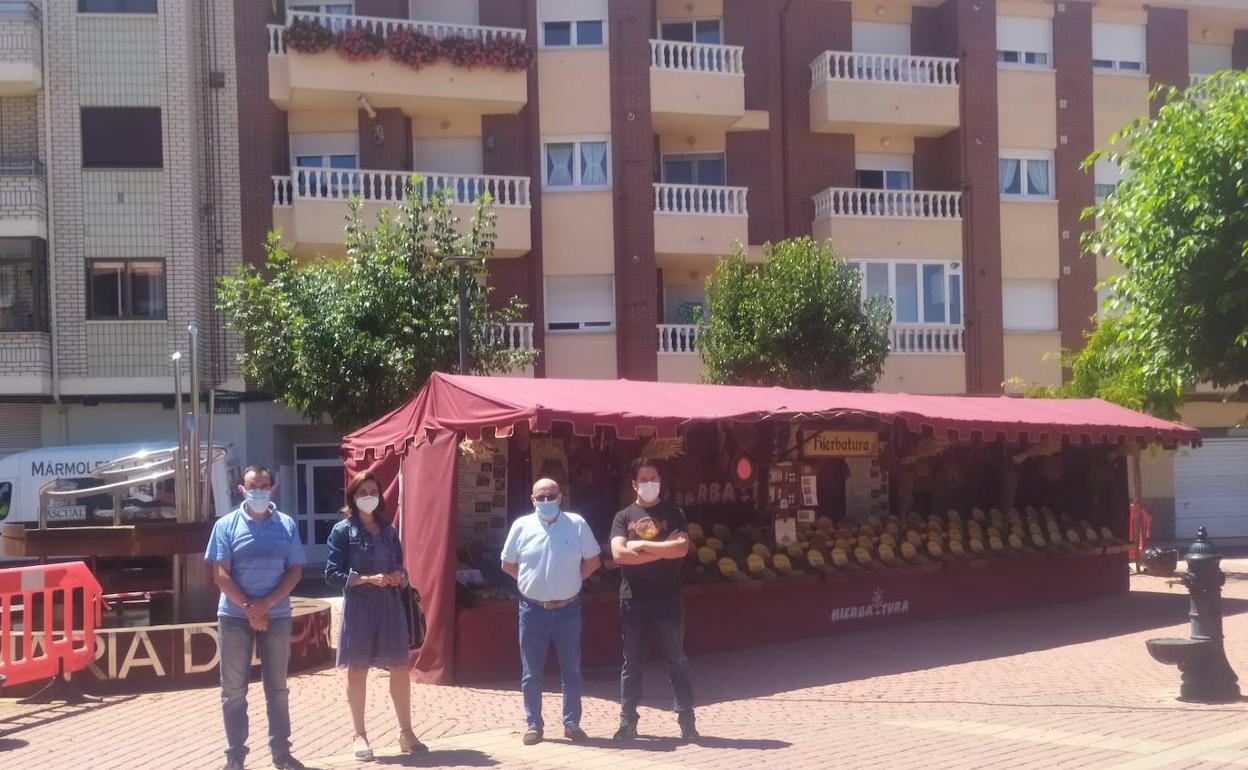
x=580, y=164
x=126, y=289
x=927, y=293
x=1027, y=176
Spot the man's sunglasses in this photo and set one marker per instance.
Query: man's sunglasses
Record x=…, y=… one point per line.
x=546, y=498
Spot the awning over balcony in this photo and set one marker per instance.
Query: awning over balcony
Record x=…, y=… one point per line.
x=472, y=404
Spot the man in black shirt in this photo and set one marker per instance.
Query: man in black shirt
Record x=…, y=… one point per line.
x=648, y=541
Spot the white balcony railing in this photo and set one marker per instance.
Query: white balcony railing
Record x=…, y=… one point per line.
x=392, y=186
x=906, y=204
x=884, y=68
x=515, y=336
x=384, y=27
x=277, y=42
x=699, y=199
x=678, y=339
x=940, y=340
x=697, y=57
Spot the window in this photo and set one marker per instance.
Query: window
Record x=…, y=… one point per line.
x=126, y=289
x=1024, y=42
x=580, y=303
x=1106, y=176
x=116, y=6
x=586, y=33
x=871, y=179
x=577, y=165
x=693, y=31
x=1118, y=47
x=122, y=137
x=701, y=168
x=921, y=292
x=341, y=9
x=1026, y=175
x=328, y=182
x=1029, y=306
x=1208, y=59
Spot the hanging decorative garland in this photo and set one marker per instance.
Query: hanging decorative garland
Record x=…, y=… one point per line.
x=408, y=47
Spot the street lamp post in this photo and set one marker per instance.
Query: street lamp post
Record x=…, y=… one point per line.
x=461, y=286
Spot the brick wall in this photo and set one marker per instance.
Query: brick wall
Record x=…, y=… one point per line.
x=1239, y=51
x=23, y=354
x=755, y=159
x=632, y=150
x=938, y=162
x=1166, y=49
x=19, y=128
x=394, y=152
x=975, y=24
x=517, y=151
x=812, y=162
x=262, y=131
x=1072, y=59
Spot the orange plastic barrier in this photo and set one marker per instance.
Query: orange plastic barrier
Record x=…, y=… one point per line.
x=66, y=591
x=1139, y=530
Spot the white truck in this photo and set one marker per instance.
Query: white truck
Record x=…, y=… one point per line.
x=24, y=474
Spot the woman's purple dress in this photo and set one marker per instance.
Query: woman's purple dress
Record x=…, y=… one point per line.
x=374, y=625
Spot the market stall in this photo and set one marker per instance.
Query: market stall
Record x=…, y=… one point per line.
x=812, y=512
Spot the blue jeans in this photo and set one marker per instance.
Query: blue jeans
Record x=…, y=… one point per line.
x=538, y=628
x=667, y=617
x=273, y=646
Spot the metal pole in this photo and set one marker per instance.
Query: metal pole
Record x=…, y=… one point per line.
x=205, y=511
x=196, y=481
x=462, y=288
x=179, y=455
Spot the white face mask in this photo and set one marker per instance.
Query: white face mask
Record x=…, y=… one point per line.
x=648, y=491
x=367, y=503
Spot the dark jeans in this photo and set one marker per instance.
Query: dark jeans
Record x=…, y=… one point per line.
x=667, y=616
x=539, y=628
x=273, y=647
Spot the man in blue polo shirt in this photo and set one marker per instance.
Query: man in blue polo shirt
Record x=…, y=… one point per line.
x=258, y=560
x=550, y=552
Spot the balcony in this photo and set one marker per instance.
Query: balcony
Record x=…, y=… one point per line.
x=327, y=80
x=515, y=336
x=927, y=359
x=21, y=48
x=310, y=206
x=698, y=220
x=887, y=224
x=678, y=353
x=908, y=96
x=23, y=199
x=696, y=86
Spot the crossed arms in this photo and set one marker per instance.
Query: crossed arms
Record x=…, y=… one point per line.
x=633, y=552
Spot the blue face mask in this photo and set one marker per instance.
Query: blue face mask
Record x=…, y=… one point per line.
x=548, y=509
x=258, y=499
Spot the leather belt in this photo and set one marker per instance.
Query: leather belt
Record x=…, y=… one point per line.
x=557, y=605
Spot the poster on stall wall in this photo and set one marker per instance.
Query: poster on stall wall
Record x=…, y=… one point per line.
x=786, y=530
x=481, y=495
x=866, y=489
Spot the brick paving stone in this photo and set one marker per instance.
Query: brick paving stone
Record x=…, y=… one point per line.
x=1060, y=687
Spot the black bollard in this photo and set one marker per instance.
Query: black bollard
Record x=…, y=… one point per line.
x=1207, y=674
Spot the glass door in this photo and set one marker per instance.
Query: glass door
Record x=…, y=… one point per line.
x=320, y=482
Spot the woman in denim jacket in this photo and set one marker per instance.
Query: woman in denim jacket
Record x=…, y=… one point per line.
x=366, y=562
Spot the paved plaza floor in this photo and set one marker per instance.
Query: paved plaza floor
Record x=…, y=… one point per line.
x=1066, y=686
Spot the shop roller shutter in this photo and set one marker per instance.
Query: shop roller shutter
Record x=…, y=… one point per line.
x=19, y=427
x=1211, y=489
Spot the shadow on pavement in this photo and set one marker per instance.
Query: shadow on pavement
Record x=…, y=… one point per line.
x=38, y=717
x=899, y=649
x=11, y=744
x=441, y=758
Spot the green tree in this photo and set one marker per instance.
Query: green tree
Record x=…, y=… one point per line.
x=796, y=320
x=352, y=339
x=1178, y=223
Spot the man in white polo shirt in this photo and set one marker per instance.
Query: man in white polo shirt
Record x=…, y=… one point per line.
x=550, y=552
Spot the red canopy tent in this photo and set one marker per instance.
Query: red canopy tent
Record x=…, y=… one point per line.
x=413, y=448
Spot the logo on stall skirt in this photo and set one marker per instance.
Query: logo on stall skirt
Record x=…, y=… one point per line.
x=878, y=608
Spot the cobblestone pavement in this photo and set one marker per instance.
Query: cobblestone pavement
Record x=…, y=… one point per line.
x=1067, y=686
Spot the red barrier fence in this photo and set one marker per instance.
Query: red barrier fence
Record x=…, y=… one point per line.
x=55, y=594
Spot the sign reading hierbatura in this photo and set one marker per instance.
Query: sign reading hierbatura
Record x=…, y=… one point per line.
x=878, y=608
